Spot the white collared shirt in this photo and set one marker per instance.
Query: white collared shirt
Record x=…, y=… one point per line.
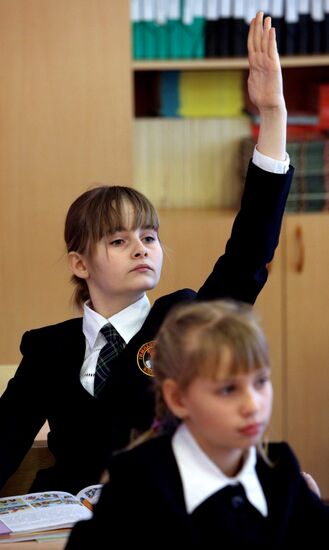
x=270, y=165
x=202, y=478
x=127, y=322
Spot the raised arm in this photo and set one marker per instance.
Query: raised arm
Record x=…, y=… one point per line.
x=265, y=87
x=241, y=272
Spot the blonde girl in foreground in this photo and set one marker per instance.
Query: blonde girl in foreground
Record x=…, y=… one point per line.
x=205, y=478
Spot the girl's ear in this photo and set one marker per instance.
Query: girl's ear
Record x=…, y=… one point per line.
x=77, y=265
x=173, y=397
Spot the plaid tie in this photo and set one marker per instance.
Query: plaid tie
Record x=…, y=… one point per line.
x=112, y=348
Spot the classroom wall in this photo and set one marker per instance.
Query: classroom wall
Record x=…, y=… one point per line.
x=66, y=124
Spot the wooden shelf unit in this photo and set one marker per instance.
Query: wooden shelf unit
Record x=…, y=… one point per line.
x=206, y=64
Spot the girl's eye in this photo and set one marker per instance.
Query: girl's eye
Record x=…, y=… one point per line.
x=227, y=390
x=116, y=242
x=149, y=239
x=262, y=380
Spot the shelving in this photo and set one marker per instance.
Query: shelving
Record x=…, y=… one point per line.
x=167, y=148
x=224, y=63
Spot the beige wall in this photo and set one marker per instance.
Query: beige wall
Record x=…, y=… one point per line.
x=6, y=372
x=66, y=117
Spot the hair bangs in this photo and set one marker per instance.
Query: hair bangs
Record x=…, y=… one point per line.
x=247, y=346
x=109, y=214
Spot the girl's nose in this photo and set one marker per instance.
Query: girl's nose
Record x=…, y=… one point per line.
x=250, y=403
x=140, y=250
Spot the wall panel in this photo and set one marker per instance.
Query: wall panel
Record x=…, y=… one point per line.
x=65, y=124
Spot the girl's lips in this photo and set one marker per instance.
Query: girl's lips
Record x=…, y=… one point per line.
x=252, y=429
x=142, y=267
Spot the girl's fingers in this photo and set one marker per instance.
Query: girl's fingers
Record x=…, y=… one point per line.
x=265, y=35
x=272, y=45
x=261, y=36
x=250, y=40
x=258, y=31
x=267, y=22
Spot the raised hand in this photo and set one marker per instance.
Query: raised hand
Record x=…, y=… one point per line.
x=265, y=87
x=265, y=78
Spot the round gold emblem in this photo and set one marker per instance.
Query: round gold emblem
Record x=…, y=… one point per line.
x=144, y=358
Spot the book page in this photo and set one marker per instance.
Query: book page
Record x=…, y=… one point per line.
x=90, y=495
x=40, y=511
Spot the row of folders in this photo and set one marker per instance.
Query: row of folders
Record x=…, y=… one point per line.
x=187, y=29
x=309, y=191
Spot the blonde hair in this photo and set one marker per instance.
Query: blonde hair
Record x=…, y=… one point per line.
x=191, y=342
x=100, y=212
x=193, y=336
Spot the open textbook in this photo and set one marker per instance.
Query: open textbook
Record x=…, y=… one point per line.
x=44, y=515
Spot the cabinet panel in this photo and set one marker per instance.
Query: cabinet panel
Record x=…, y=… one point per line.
x=307, y=343
x=193, y=240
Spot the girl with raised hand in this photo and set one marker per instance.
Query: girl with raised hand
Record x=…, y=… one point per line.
x=90, y=377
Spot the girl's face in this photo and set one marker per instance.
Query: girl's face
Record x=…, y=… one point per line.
x=123, y=267
x=228, y=414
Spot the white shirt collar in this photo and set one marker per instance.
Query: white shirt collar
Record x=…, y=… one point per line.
x=201, y=477
x=127, y=321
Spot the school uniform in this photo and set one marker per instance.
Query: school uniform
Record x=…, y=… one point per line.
x=145, y=504
x=84, y=430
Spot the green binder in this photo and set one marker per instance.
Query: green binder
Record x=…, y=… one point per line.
x=137, y=29
x=193, y=24
x=162, y=51
x=149, y=29
x=174, y=29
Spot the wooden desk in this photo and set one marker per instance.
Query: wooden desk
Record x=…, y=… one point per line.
x=33, y=545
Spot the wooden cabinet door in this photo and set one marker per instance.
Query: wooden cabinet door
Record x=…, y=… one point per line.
x=193, y=240
x=307, y=343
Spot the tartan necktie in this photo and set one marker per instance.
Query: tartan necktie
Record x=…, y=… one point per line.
x=114, y=345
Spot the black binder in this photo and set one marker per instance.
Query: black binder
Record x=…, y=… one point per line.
x=218, y=32
x=224, y=36
x=210, y=38
x=326, y=29
x=304, y=42
x=291, y=28
x=317, y=26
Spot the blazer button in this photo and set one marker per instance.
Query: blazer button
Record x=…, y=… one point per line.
x=237, y=501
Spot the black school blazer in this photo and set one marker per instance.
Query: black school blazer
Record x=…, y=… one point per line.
x=46, y=385
x=143, y=505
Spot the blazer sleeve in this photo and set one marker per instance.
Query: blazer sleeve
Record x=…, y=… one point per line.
x=241, y=272
x=22, y=409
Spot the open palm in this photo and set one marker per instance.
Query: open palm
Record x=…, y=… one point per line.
x=265, y=78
